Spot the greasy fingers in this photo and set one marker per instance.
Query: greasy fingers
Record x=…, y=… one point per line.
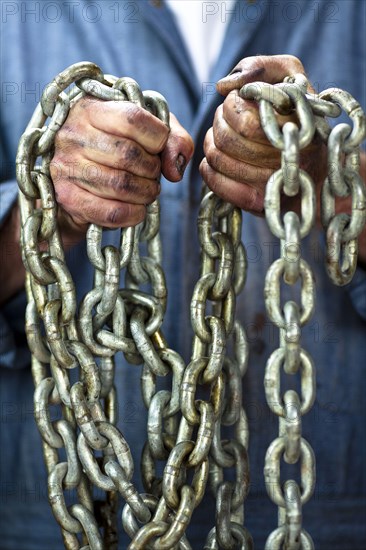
x=124, y=119
x=177, y=152
x=226, y=164
x=103, y=181
x=244, y=196
x=238, y=160
x=264, y=68
x=85, y=208
x=228, y=140
x=105, y=149
x=107, y=164
x=243, y=116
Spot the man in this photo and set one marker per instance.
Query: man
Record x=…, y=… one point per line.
x=136, y=39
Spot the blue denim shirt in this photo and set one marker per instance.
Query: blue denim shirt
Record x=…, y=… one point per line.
x=139, y=39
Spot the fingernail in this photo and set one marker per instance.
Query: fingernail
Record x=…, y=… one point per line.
x=231, y=76
x=235, y=70
x=181, y=163
x=251, y=75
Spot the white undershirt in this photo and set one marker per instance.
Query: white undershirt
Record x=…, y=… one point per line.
x=202, y=25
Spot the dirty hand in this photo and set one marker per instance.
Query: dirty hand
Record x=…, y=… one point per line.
x=108, y=160
x=239, y=158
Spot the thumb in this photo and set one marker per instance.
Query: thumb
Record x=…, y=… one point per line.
x=264, y=68
x=177, y=152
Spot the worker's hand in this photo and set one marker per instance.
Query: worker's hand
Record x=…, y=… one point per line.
x=108, y=160
x=239, y=158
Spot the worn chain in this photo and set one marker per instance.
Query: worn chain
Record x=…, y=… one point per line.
x=290, y=359
x=344, y=180
x=74, y=345
x=181, y=424
x=89, y=336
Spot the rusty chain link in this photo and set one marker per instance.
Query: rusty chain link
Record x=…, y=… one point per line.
x=186, y=424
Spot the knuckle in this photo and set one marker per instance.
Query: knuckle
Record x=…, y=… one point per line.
x=129, y=154
x=203, y=168
x=146, y=125
x=125, y=214
x=65, y=134
x=252, y=126
x=214, y=182
x=154, y=167
x=133, y=153
x=139, y=215
x=215, y=187
x=233, y=101
x=211, y=152
x=122, y=183
x=114, y=215
x=205, y=171
x=87, y=108
x=218, y=162
x=293, y=60
x=69, y=138
x=62, y=166
x=132, y=158
x=220, y=137
x=134, y=114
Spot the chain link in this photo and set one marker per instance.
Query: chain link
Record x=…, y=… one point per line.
x=342, y=230
x=343, y=180
x=197, y=430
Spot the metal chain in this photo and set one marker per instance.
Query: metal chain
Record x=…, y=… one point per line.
x=186, y=424
x=88, y=336
x=343, y=180
x=291, y=269
x=194, y=444
x=111, y=319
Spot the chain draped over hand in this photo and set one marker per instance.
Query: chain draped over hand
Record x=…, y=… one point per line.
x=186, y=426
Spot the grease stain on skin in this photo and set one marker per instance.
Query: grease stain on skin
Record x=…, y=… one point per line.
x=181, y=163
x=132, y=153
x=255, y=74
x=125, y=184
